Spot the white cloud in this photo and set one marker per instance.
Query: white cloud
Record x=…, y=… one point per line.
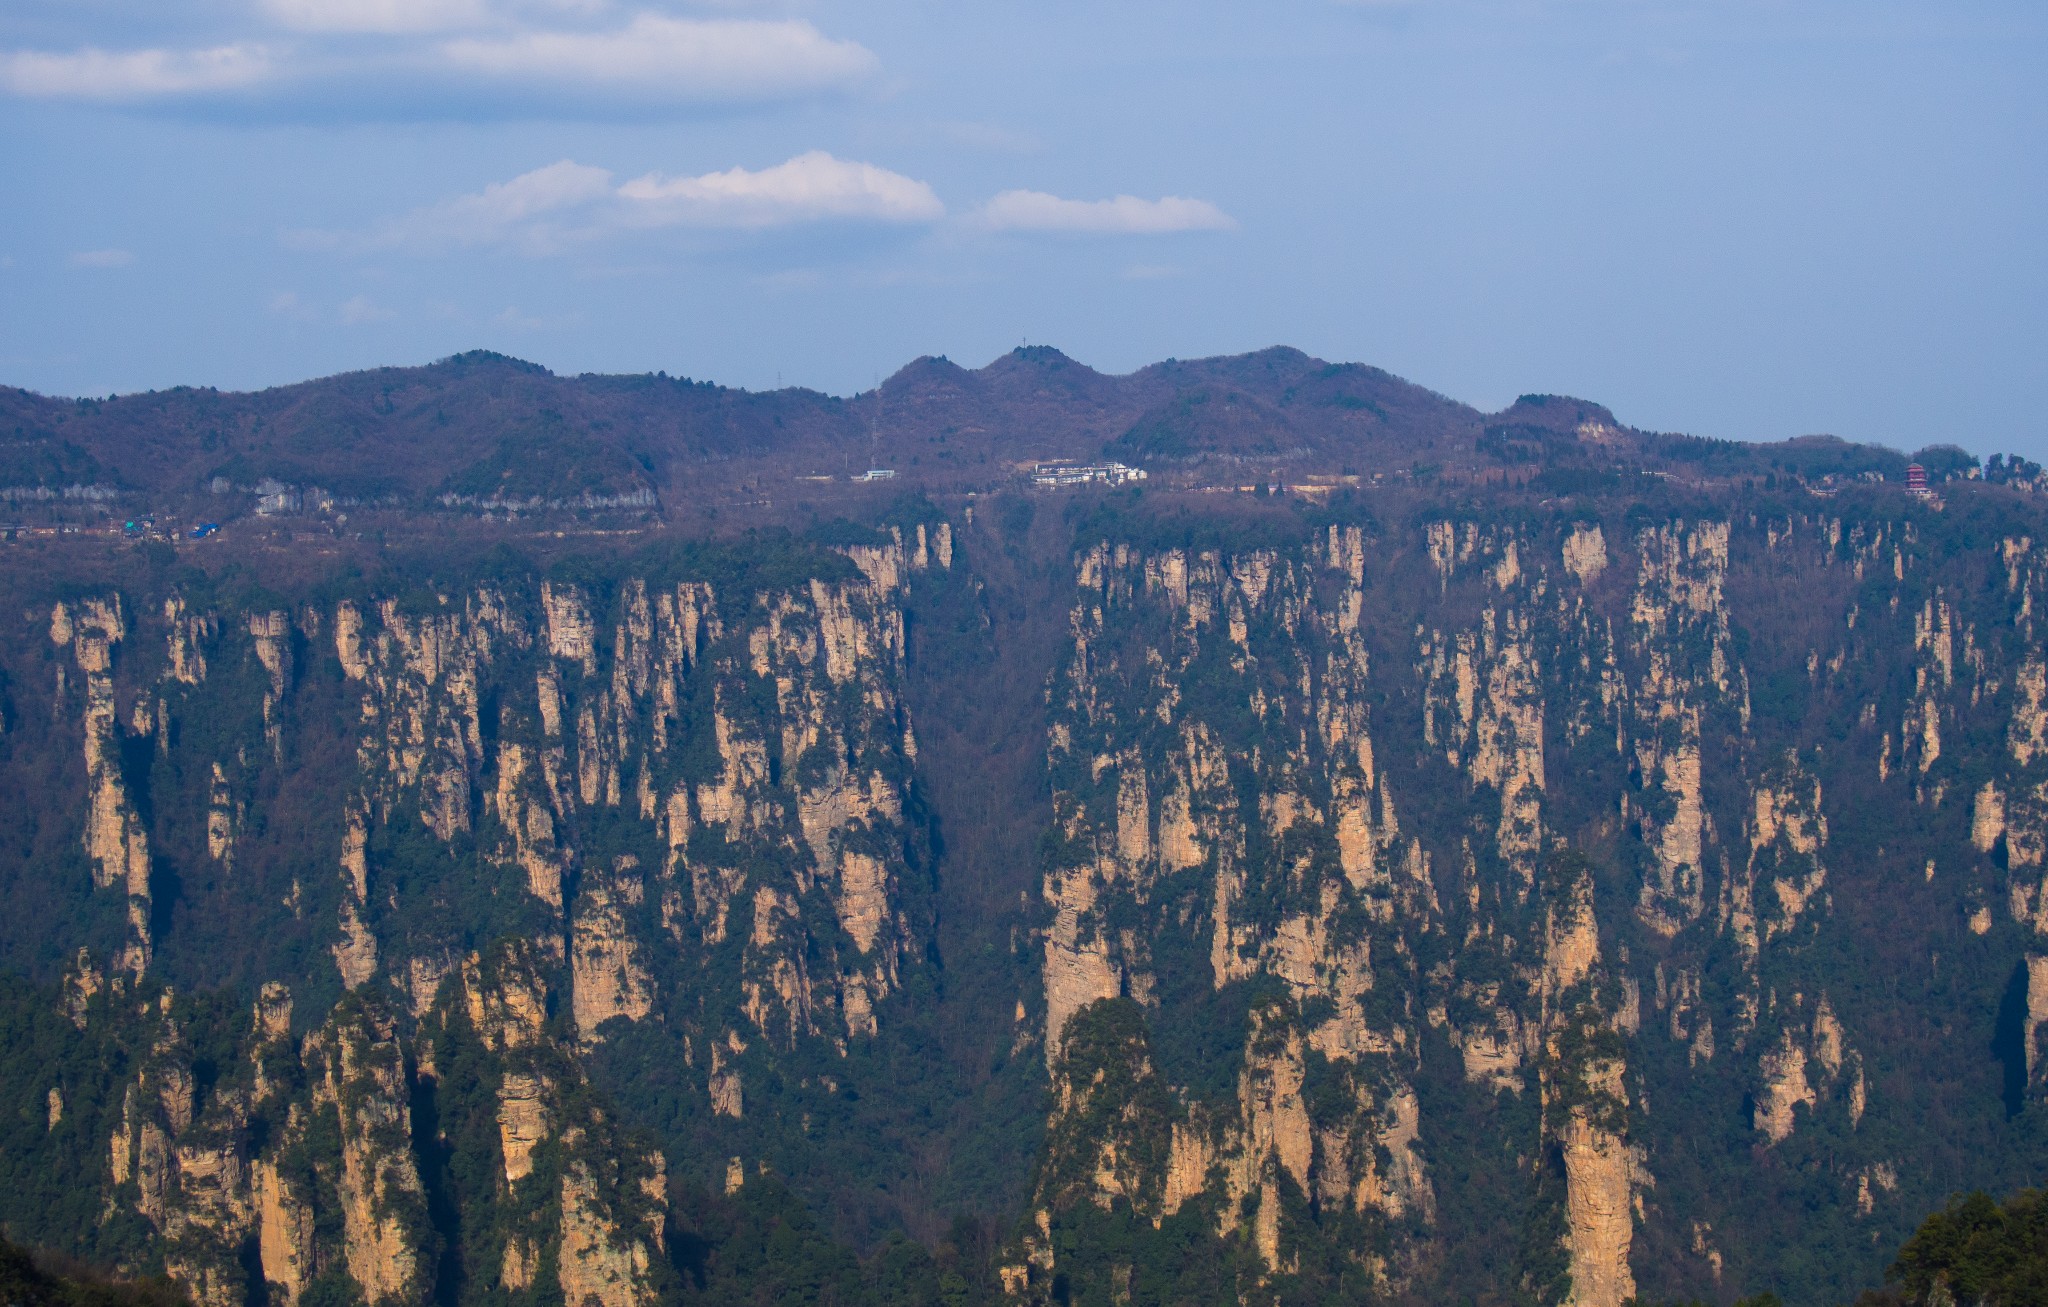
x=544, y=190
x=102, y=259
x=808, y=188
x=542, y=211
x=1126, y=215
x=521, y=211
x=388, y=16
x=536, y=212
x=448, y=53
x=135, y=74
x=663, y=58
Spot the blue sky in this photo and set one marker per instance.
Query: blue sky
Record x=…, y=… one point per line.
x=1739, y=218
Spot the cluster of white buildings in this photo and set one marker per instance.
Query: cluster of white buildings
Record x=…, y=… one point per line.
x=1054, y=476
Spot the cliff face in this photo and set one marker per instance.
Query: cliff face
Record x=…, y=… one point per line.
x=306, y=1162
x=683, y=810
x=655, y=782
x=1506, y=792
x=1217, y=796
x=1464, y=903
x=115, y=840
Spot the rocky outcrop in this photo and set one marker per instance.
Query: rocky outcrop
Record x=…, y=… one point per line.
x=520, y=724
x=359, y=1074
x=2036, y=1017
x=1110, y=1140
x=1600, y=1177
x=608, y=979
x=1678, y=605
x=1585, y=1085
x=522, y=1122
x=1787, y=833
x=1784, y=1087
x=608, y=1196
x=1149, y=803
x=1484, y=707
x=304, y=1159
x=1811, y=1065
x=1585, y=552
x=1078, y=968
x=284, y=1233
x=596, y=1264
x=190, y=1176
x=1229, y=760
x=116, y=841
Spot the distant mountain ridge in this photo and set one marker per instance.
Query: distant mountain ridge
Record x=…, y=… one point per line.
x=482, y=428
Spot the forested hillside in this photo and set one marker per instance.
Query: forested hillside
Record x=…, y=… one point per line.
x=1495, y=859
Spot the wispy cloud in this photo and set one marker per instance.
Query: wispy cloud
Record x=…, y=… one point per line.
x=371, y=53
x=674, y=58
x=102, y=259
x=1125, y=215
x=109, y=75
x=566, y=202
x=525, y=212
x=383, y=16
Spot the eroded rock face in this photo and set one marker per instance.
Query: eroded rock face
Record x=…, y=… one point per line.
x=1150, y=801
x=522, y=1122
x=599, y=1262
x=1527, y=797
x=1226, y=776
x=609, y=1199
x=306, y=1160
x=116, y=841
x=361, y=1077
x=355, y=955
x=608, y=978
x=1585, y=552
x=1784, y=1088
x=1600, y=1180
x=1078, y=969
x=285, y=1243
x=2037, y=1012
x=516, y=725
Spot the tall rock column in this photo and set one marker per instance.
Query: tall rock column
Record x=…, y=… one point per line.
x=115, y=839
